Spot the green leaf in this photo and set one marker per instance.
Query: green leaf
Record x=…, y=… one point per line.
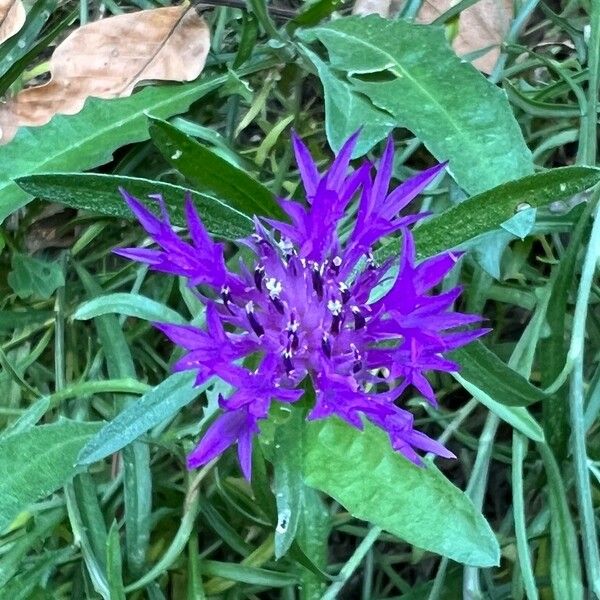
x=15, y=47
x=37, y=462
x=245, y=574
x=25, y=583
x=99, y=193
x=152, y=408
x=208, y=171
x=287, y=481
x=488, y=211
x=33, y=536
x=410, y=72
x=29, y=44
x=114, y=569
x=516, y=416
x=347, y=111
x=137, y=479
x=89, y=138
x=15, y=319
x=553, y=348
x=419, y=505
x=565, y=565
x=132, y=305
x=86, y=496
x=34, y=277
x=482, y=368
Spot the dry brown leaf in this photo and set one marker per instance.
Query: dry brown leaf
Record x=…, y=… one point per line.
x=12, y=17
x=107, y=58
x=372, y=7
x=481, y=25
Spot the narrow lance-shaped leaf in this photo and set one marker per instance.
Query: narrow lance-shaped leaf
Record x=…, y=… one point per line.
x=89, y=138
x=132, y=305
x=207, y=170
x=489, y=210
x=98, y=193
x=152, y=408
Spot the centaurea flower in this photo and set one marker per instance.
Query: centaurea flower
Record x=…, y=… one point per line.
x=305, y=307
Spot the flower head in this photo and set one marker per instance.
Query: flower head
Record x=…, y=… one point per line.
x=305, y=308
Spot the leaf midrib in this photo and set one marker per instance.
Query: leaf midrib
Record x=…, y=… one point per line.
x=405, y=73
x=218, y=80
x=98, y=133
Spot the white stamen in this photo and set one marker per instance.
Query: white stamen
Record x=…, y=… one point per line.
x=250, y=307
x=335, y=307
x=274, y=287
x=286, y=245
x=337, y=261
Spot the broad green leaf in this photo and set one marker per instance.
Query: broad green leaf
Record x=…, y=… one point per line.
x=89, y=138
x=37, y=462
x=34, y=277
x=346, y=111
x=489, y=210
x=208, y=171
x=516, y=416
x=419, y=505
x=410, y=72
x=313, y=536
x=152, y=408
x=482, y=368
x=99, y=193
x=132, y=305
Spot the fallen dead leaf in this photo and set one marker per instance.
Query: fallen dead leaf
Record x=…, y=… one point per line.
x=107, y=58
x=12, y=17
x=481, y=25
x=372, y=7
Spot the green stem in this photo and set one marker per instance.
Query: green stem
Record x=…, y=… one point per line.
x=518, y=456
x=348, y=569
x=476, y=491
x=585, y=506
x=588, y=136
x=190, y=510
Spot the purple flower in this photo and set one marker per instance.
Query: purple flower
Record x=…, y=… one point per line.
x=305, y=307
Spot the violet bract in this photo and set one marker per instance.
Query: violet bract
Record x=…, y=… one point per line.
x=306, y=307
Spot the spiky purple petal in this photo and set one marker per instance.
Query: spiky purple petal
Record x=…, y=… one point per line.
x=302, y=309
